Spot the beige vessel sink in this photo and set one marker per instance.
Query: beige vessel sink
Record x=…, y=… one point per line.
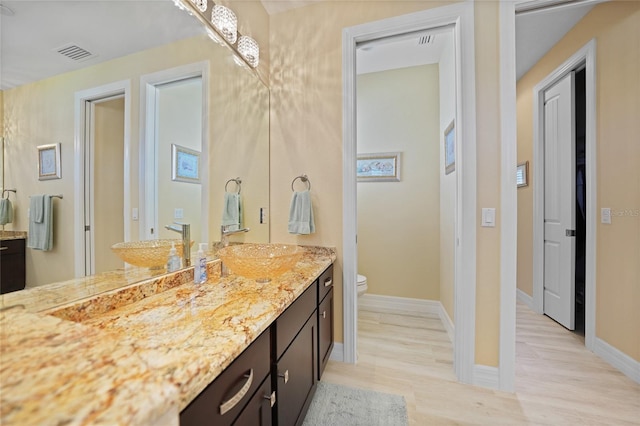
x=260, y=262
x=152, y=254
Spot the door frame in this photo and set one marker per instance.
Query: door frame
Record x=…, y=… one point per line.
x=123, y=88
x=586, y=55
x=148, y=99
x=461, y=16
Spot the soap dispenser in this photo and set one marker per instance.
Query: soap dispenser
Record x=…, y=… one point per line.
x=174, y=260
x=200, y=270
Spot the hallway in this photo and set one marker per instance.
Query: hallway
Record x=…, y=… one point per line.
x=412, y=356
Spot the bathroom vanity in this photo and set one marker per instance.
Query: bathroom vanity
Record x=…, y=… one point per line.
x=12, y=261
x=165, y=351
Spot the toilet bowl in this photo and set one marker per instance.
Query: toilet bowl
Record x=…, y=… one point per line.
x=362, y=285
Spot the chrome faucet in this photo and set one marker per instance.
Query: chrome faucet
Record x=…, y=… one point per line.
x=225, y=231
x=184, y=229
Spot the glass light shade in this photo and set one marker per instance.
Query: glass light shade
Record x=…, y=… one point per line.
x=200, y=4
x=249, y=50
x=226, y=22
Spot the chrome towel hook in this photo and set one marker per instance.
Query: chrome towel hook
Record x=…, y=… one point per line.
x=238, y=183
x=304, y=179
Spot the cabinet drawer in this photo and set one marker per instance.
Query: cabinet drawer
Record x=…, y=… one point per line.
x=12, y=247
x=325, y=331
x=291, y=321
x=238, y=381
x=325, y=283
x=258, y=411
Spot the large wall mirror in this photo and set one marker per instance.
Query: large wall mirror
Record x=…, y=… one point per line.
x=84, y=83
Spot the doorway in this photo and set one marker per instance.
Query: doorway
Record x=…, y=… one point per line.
x=461, y=17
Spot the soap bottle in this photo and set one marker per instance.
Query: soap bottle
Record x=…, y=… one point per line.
x=200, y=270
x=174, y=260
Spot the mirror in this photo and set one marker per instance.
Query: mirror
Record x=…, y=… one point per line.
x=42, y=96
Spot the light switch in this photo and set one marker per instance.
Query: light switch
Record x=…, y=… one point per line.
x=605, y=215
x=264, y=215
x=489, y=217
x=134, y=213
x=178, y=213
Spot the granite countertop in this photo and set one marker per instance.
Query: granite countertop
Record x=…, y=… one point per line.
x=148, y=352
x=12, y=235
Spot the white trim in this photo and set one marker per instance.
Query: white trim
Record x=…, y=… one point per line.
x=399, y=305
x=525, y=298
x=122, y=87
x=461, y=16
x=623, y=362
x=508, y=197
x=586, y=55
x=447, y=323
x=148, y=83
x=337, y=353
x=487, y=377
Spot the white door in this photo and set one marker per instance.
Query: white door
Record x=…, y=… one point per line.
x=559, y=202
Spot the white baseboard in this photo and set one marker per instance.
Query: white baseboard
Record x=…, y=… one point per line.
x=623, y=362
x=400, y=305
x=447, y=323
x=337, y=353
x=525, y=298
x=486, y=377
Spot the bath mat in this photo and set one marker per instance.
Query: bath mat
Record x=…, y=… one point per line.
x=337, y=405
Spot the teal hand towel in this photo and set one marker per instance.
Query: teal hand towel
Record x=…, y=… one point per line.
x=301, y=214
x=36, y=208
x=232, y=212
x=6, y=211
x=41, y=233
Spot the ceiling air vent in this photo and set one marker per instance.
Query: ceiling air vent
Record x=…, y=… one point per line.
x=426, y=39
x=74, y=52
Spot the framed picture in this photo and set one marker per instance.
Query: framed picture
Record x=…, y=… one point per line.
x=49, y=162
x=450, y=148
x=185, y=164
x=522, y=174
x=381, y=167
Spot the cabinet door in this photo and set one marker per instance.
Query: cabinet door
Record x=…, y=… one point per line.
x=325, y=331
x=258, y=410
x=296, y=376
x=12, y=265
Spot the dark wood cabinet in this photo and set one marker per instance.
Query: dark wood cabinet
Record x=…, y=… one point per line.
x=12, y=265
x=325, y=319
x=258, y=411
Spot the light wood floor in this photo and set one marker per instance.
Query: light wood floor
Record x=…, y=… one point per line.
x=558, y=381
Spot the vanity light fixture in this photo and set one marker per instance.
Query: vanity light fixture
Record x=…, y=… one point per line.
x=200, y=4
x=249, y=49
x=226, y=22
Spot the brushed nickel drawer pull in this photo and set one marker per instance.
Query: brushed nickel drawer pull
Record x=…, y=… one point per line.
x=285, y=376
x=324, y=314
x=271, y=398
x=328, y=282
x=235, y=399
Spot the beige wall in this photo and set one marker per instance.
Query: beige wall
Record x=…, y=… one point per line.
x=306, y=133
x=616, y=29
x=108, y=171
x=399, y=222
x=447, y=181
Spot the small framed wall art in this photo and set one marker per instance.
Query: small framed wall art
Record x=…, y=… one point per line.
x=450, y=148
x=380, y=167
x=49, y=162
x=185, y=164
x=522, y=174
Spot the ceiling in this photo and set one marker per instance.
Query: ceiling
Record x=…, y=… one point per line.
x=111, y=29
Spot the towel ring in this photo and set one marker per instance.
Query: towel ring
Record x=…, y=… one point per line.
x=7, y=191
x=238, y=183
x=304, y=179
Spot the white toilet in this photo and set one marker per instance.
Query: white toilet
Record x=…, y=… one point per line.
x=362, y=285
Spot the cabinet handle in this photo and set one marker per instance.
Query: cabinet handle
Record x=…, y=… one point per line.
x=324, y=314
x=285, y=376
x=328, y=282
x=4, y=248
x=271, y=398
x=235, y=399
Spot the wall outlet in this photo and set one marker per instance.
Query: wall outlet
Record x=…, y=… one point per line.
x=178, y=213
x=605, y=215
x=264, y=215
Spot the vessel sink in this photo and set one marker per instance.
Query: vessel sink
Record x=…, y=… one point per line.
x=260, y=262
x=152, y=254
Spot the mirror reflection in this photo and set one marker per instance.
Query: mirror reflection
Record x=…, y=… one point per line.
x=118, y=116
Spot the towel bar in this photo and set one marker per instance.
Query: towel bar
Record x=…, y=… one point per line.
x=54, y=196
x=238, y=183
x=304, y=179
